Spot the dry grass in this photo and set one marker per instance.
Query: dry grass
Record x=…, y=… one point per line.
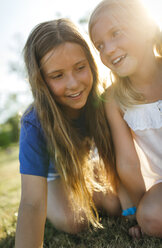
x=9, y=189
x=114, y=234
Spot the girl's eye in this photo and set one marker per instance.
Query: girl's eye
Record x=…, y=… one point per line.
x=81, y=67
x=116, y=33
x=58, y=76
x=99, y=47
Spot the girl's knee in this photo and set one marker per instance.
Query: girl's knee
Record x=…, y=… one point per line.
x=108, y=202
x=59, y=210
x=68, y=223
x=114, y=206
x=150, y=220
x=75, y=225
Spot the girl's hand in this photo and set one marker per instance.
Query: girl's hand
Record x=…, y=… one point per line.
x=135, y=232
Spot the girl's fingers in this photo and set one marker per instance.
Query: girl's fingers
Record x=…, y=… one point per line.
x=135, y=232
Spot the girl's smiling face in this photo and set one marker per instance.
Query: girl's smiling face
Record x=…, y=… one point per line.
x=122, y=42
x=67, y=72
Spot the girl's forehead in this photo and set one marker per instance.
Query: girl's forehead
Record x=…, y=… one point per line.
x=115, y=15
x=60, y=49
x=108, y=19
x=67, y=51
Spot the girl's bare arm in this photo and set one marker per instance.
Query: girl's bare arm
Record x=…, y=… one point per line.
x=127, y=161
x=32, y=212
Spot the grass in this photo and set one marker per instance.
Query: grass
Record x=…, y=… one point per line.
x=9, y=191
x=114, y=234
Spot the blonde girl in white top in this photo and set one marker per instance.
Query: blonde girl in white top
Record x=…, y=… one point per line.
x=127, y=38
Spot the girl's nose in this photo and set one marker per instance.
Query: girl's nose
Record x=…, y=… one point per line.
x=72, y=82
x=110, y=48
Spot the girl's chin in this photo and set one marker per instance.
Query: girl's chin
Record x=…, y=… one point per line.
x=126, y=73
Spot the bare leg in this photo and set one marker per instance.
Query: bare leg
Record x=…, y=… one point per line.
x=108, y=202
x=59, y=211
x=62, y=216
x=149, y=212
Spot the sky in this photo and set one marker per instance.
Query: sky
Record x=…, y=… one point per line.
x=18, y=18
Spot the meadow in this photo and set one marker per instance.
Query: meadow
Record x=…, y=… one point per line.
x=113, y=235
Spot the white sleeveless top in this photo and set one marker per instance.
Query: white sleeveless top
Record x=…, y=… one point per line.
x=145, y=122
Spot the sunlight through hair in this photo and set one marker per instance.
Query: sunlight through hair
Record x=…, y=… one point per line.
x=154, y=8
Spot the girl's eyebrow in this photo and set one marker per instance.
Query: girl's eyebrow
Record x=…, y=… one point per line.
x=81, y=61
x=52, y=72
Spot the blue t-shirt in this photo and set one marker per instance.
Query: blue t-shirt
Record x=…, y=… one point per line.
x=33, y=155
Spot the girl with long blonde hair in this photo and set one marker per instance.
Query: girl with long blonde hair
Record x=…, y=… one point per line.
x=129, y=43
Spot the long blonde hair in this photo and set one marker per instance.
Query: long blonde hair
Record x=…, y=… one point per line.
x=67, y=147
x=122, y=90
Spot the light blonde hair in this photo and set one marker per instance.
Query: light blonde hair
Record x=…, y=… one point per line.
x=68, y=148
x=122, y=90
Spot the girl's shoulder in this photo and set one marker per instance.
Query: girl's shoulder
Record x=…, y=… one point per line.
x=30, y=124
x=144, y=116
x=30, y=117
x=110, y=102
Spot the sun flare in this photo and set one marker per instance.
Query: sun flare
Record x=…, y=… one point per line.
x=154, y=7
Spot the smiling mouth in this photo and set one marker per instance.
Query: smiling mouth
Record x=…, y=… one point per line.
x=119, y=59
x=75, y=95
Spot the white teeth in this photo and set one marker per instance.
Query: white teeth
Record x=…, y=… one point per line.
x=117, y=60
x=74, y=95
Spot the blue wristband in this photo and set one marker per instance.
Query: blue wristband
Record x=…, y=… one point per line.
x=129, y=211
